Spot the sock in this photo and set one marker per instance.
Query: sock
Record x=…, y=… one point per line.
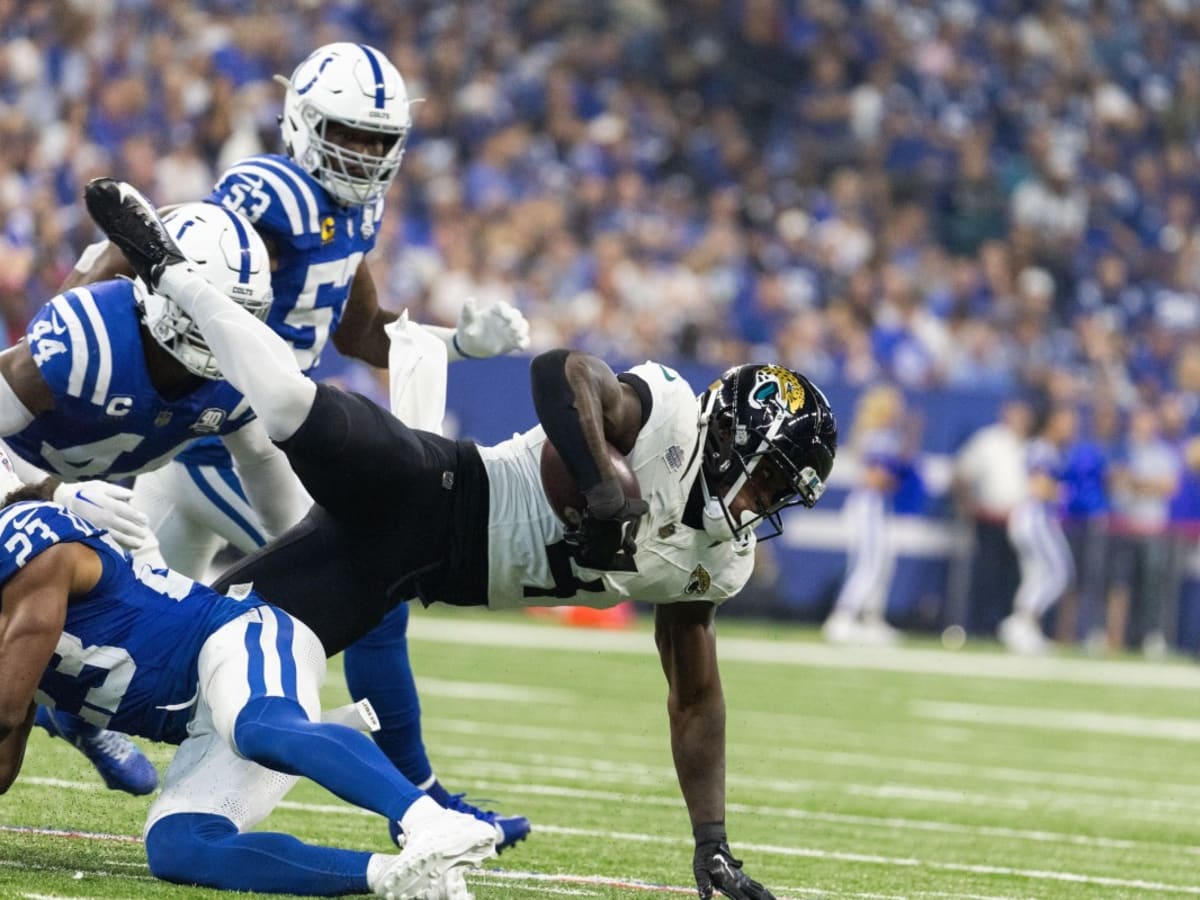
x=208, y=850
x=435, y=790
x=377, y=668
x=252, y=357
x=276, y=733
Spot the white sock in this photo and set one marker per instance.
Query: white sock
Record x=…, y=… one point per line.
x=252, y=357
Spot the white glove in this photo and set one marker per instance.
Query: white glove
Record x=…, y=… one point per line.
x=498, y=329
x=108, y=506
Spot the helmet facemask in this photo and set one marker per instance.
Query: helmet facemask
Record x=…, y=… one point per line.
x=354, y=178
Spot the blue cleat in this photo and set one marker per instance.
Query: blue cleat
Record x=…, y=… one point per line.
x=509, y=829
x=118, y=760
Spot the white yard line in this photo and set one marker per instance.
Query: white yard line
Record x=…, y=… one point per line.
x=509, y=634
x=772, y=849
x=1059, y=720
x=504, y=693
x=546, y=735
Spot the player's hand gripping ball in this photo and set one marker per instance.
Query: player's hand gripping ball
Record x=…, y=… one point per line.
x=602, y=526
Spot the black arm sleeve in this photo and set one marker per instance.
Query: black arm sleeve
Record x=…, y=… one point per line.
x=555, y=404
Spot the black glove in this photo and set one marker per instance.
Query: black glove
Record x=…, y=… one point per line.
x=605, y=535
x=714, y=867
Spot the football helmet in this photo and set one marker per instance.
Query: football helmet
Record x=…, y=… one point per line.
x=354, y=86
x=226, y=250
x=769, y=420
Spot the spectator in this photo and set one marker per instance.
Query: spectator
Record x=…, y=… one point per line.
x=989, y=481
x=1146, y=475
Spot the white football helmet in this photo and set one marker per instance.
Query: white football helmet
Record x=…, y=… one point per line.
x=225, y=249
x=353, y=85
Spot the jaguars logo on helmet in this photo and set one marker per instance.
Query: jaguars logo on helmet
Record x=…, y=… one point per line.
x=754, y=413
x=775, y=384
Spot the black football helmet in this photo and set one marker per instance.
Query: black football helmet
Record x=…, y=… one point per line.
x=769, y=420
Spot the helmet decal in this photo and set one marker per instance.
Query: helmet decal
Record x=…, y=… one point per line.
x=756, y=414
x=778, y=385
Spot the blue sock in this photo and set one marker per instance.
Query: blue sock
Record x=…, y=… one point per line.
x=276, y=733
x=206, y=849
x=377, y=668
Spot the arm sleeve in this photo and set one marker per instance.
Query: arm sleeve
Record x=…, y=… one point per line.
x=271, y=486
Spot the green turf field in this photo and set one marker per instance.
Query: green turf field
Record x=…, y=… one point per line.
x=914, y=772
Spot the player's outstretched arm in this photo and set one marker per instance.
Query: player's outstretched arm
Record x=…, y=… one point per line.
x=497, y=330
x=33, y=608
x=687, y=648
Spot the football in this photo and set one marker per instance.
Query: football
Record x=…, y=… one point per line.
x=563, y=493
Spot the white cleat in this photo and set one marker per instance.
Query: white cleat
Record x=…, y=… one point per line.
x=451, y=886
x=1022, y=636
x=447, y=842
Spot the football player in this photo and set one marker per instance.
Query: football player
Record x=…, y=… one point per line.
x=345, y=122
x=401, y=513
x=233, y=681
x=1036, y=534
x=858, y=614
x=112, y=380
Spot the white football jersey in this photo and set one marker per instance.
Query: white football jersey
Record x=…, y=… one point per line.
x=528, y=560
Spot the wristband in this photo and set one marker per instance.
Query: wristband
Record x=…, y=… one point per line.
x=458, y=347
x=606, y=499
x=710, y=833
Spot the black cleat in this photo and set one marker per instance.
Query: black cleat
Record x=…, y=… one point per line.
x=132, y=223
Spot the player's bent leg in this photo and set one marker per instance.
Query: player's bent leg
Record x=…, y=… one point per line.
x=118, y=760
x=208, y=850
x=276, y=732
x=260, y=675
x=377, y=668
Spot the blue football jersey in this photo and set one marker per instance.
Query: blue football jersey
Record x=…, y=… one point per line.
x=127, y=656
x=316, y=245
x=109, y=421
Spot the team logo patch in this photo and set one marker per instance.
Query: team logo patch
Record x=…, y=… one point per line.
x=674, y=457
x=163, y=417
x=777, y=386
x=698, y=582
x=210, y=421
x=327, y=230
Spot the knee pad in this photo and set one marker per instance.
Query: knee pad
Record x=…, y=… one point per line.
x=182, y=847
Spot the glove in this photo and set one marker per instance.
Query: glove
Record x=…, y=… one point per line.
x=108, y=506
x=498, y=329
x=605, y=535
x=714, y=867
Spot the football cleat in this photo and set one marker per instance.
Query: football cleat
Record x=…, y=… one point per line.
x=118, y=760
x=509, y=829
x=132, y=223
x=449, y=841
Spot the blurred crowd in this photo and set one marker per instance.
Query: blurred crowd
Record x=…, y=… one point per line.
x=993, y=194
